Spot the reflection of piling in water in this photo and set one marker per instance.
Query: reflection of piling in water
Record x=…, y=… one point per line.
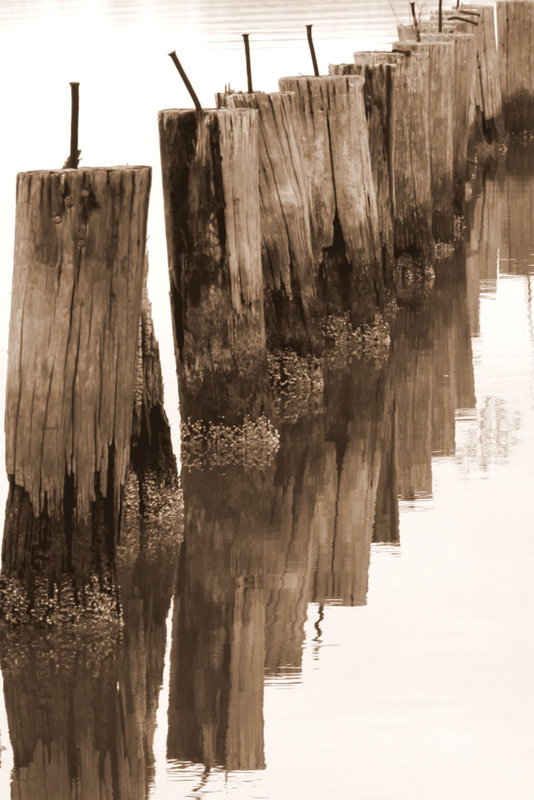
x=288, y=543
x=77, y=286
x=386, y=525
x=217, y=658
x=355, y=427
x=330, y=123
x=411, y=366
x=453, y=379
x=212, y=213
x=292, y=316
x=515, y=30
x=379, y=97
x=81, y=708
x=412, y=220
x=517, y=229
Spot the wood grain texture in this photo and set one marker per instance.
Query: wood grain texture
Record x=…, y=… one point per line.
x=331, y=123
x=488, y=98
x=411, y=153
x=77, y=283
x=212, y=217
x=292, y=314
x=515, y=28
x=463, y=82
x=379, y=97
x=439, y=109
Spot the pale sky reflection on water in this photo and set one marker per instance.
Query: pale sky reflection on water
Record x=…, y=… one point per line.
x=426, y=691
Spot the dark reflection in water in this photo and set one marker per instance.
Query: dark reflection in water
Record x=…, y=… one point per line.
x=260, y=546
x=81, y=707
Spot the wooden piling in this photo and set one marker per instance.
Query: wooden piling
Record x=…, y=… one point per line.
x=488, y=98
x=413, y=240
x=212, y=215
x=515, y=27
x=463, y=80
x=439, y=108
x=379, y=97
x=77, y=284
x=331, y=125
x=291, y=302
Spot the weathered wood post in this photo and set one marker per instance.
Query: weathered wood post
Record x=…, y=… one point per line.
x=412, y=222
x=77, y=285
x=379, y=97
x=463, y=79
x=292, y=313
x=515, y=28
x=212, y=216
x=330, y=122
x=439, y=94
x=488, y=99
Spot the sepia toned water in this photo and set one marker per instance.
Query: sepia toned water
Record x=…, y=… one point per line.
x=355, y=619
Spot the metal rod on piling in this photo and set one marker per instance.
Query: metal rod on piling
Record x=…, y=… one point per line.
x=312, y=51
x=186, y=81
x=247, y=57
x=415, y=23
x=440, y=16
x=74, y=113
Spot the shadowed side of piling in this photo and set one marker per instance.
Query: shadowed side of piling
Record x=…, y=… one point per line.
x=330, y=122
x=515, y=26
x=77, y=285
x=292, y=314
x=379, y=98
x=152, y=486
x=212, y=216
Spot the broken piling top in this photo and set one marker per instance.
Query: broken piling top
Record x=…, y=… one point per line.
x=292, y=314
x=330, y=116
x=78, y=272
x=515, y=26
x=212, y=217
x=411, y=154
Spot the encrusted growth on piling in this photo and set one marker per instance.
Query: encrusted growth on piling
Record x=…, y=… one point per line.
x=252, y=444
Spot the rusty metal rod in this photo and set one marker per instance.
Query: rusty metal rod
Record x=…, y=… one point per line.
x=247, y=57
x=74, y=114
x=415, y=23
x=312, y=51
x=186, y=81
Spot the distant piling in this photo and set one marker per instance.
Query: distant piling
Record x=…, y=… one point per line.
x=515, y=26
x=212, y=216
x=77, y=284
x=479, y=20
x=379, y=97
x=292, y=313
x=440, y=112
x=331, y=125
x=412, y=222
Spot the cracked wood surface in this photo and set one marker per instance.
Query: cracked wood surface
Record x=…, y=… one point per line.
x=77, y=283
x=331, y=123
x=291, y=301
x=212, y=219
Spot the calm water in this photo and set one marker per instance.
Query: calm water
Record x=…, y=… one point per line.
x=355, y=620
